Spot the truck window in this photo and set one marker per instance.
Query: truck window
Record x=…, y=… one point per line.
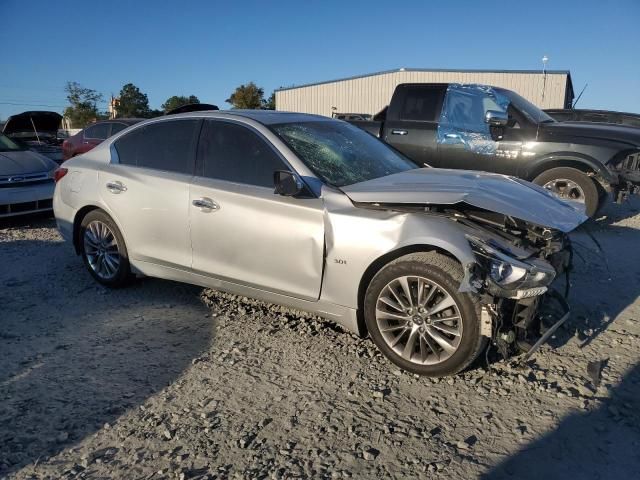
x=421, y=103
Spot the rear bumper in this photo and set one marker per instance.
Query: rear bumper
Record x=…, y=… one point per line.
x=26, y=199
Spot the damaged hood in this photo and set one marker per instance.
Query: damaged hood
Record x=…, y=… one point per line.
x=496, y=193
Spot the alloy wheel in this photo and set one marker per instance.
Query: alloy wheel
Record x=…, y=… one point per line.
x=566, y=189
x=101, y=250
x=419, y=320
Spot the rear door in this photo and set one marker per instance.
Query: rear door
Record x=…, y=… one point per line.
x=147, y=190
x=243, y=232
x=412, y=122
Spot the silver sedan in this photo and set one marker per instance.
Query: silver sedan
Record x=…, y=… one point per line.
x=26, y=180
x=318, y=215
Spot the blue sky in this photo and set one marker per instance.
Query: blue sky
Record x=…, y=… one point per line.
x=207, y=48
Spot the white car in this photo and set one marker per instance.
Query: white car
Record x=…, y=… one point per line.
x=316, y=214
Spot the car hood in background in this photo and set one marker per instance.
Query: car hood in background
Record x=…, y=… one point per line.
x=24, y=161
x=48, y=122
x=496, y=193
x=604, y=131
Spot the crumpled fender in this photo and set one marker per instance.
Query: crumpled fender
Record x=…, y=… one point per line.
x=356, y=237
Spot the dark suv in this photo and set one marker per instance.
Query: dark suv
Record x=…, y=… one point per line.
x=479, y=127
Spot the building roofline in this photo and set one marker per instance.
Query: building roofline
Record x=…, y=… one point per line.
x=451, y=70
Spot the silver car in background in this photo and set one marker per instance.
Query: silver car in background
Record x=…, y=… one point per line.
x=318, y=215
x=26, y=179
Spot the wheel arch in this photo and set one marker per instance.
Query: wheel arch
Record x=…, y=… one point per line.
x=583, y=163
x=383, y=260
x=77, y=221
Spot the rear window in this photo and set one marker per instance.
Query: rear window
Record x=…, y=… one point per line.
x=99, y=131
x=421, y=103
x=168, y=146
x=117, y=127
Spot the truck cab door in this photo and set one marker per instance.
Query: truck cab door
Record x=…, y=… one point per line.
x=411, y=125
x=466, y=141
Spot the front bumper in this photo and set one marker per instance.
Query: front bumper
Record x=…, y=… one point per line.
x=24, y=199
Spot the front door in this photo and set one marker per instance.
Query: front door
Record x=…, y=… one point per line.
x=466, y=141
x=243, y=232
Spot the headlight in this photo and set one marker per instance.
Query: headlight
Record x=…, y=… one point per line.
x=509, y=273
x=504, y=273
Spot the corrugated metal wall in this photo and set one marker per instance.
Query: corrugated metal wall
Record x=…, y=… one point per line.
x=371, y=93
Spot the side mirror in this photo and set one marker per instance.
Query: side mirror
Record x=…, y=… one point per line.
x=496, y=118
x=287, y=183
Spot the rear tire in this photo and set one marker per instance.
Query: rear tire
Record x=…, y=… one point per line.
x=571, y=184
x=103, y=250
x=446, y=340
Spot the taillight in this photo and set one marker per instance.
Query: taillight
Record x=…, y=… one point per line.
x=59, y=173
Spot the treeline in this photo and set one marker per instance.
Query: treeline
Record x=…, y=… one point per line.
x=133, y=103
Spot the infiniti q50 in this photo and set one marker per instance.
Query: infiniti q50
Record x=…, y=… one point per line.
x=316, y=214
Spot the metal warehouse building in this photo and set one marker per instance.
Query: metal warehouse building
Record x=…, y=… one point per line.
x=370, y=93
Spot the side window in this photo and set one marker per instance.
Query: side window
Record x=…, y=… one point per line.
x=99, y=131
x=234, y=153
x=168, y=146
x=421, y=103
x=117, y=127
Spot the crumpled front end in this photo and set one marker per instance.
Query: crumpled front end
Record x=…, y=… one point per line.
x=517, y=265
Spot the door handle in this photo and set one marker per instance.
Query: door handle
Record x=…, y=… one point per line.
x=399, y=132
x=116, y=187
x=205, y=204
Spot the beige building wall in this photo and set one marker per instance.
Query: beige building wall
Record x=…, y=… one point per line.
x=369, y=94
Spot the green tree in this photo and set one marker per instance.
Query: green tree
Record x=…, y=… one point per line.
x=83, y=108
x=178, y=101
x=247, y=96
x=132, y=102
x=270, y=103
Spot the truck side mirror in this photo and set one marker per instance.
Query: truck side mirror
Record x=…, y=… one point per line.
x=287, y=183
x=496, y=118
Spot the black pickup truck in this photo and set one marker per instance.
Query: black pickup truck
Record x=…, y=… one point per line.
x=478, y=127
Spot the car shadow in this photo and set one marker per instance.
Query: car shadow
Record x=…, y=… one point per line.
x=599, y=444
x=75, y=356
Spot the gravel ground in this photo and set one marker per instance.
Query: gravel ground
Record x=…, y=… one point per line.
x=162, y=380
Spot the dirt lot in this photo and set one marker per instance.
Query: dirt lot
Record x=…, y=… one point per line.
x=163, y=380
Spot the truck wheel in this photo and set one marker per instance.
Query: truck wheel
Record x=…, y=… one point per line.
x=418, y=319
x=571, y=184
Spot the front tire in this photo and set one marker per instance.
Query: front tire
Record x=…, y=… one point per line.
x=418, y=319
x=571, y=184
x=103, y=250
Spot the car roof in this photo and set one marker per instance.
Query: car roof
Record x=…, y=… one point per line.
x=266, y=117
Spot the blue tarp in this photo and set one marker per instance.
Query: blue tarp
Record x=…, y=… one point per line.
x=462, y=120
